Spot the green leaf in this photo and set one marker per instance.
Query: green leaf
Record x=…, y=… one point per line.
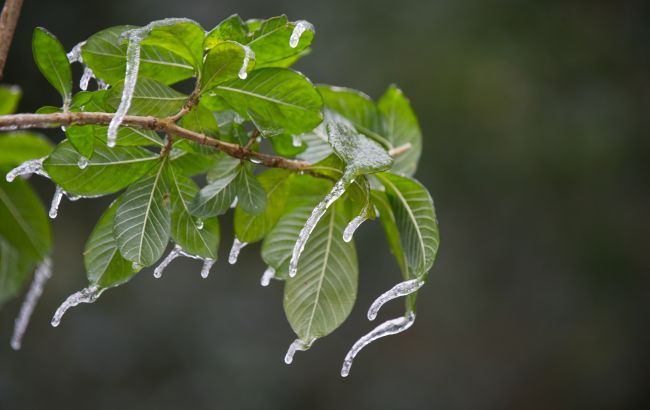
x=18, y=147
x=52, y=61
x=215, y=198
x=105, y=54
x=109, y=170
x=201, y=120
x=401, y=127
x=316, y=140
x=250, y=193
x=191, y=163
x=277, y=100
x=82, y=138
x=182, y=37
x=23, y=221
x=231, y=29
x=251, y=228
x=143, y=218
x=224, y=62
x=150, y=97
x=283, y=145
x=197, y=236
x=360, y=154
x=224, y=166
x=319, y=299
x=14, y=270
x=272, y=46
x=104, y=264
x=411, y=209
x=129, y=137
x=9, y=98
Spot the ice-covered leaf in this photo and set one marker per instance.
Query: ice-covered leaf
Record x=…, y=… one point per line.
x=279, y=43
x=277, y=100
x=104, y=264
x=195, y=235
x=143, y=218
x=82, y=138
x=182, y=37
x=250, y=193
x=230, y=29
x=109, y=170
x=17, y=147
x=51, y=59
x=105, y=53
x=251, y=228
x=401, y=127
x=360, y=154
x=9, y=98
x=226, y=61
x=319, y=299
x=150, y=97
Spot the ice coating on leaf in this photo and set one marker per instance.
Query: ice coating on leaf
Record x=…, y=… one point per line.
x=33, y=166
x=234, y=251
x=175, y=253
x=83, y=162
x=301, y=27
x=401, y=289
x=85, y=78
x=199, y=224
x=360, y=154
x=207, y=265
x=101, y=84
x=312, y=221
x=248, y=54
x=296, y=345
x=56, y=201
x=86, y=295
x=41, y=276
x=74, y=55
x=387, y=328
x=269, y=273
x=296, y=141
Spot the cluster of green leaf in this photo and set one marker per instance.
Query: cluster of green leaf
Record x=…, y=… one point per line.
x=344, y=134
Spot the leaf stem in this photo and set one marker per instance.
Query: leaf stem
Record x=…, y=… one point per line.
x=8, y=21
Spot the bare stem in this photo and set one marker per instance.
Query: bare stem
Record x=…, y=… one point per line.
x=8, y=21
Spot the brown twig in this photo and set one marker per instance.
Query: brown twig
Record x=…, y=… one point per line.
x=8, y=21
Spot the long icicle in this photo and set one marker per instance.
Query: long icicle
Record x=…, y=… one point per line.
x=316, y=215
x=86, y=295
x=296, y=345
x=387, y=328
x=401, y=289
x=41, y=276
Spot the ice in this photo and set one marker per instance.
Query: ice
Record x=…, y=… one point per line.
x=352, y=227
x=199, y=224
x=296, y=345
x=176, y=252
x=248, y=54
x=387, y=328
x=207, y=265
x=296, y=141
x=255, y=160
x=74, y=56
x=83, y=162
x=101, y=84
x=85, y=78
x=316, y=215
x=33, y=166
x=269, y=273
x=301, y=27
x=401, y=289
x=86, y=295
x=41, y=276
x=234, y=251
x=56, y=201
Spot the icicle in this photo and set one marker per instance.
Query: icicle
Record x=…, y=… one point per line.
x=101, y=84
x=387, y=328
x=269, y=273
x=401, y=289
x=296, y=141
x=41, y=276
x=255, y=160
x=234, y=251
x=74, y=55
x=199, y=224
x=56, y=201
x=316, y=215
x=355, y=223
x=86, y=295
x=83, y=162
x=207, y=265
x=297, y=344
x=33, y=166
x=301, y=27
x=173, y=254
x=234, y=203
x=248, y=54
x=85, y=78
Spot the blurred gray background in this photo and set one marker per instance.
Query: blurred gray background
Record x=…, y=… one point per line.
x=535, y=122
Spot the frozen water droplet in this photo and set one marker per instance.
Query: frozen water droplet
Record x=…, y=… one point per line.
x=248, y=54
x=136, y=266
x=207, y=265
x=297, y=344
x=296, y=141
x=234, y=251
x=234, y=203
x=86, y=295
x=56, y=201
x=85, y=78
x=41, y=276
x=199, y=224
x=212, y=94
x=269, y=273
x=301, y=27
x=316, y=215
x=387, y=328
x=83, y=162
x=173, y=254
x=401, y=289
x=256, y=160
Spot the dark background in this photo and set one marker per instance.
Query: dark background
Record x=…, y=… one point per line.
x=535, y=121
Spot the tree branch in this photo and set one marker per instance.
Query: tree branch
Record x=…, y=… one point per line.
x=8, y=21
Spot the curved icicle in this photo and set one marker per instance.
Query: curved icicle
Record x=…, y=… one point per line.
x=85, y=78
x=296, y=345
x=269, y=273
x=176, y=252
x=234, y=251
x=316, y=215
x=41, y=276
x=354, y=224
x=387, y=328
x=86, y=295
x=74, y=55
x=401, y=289
x=32, y=166
x=248, y=54
x=298, y=30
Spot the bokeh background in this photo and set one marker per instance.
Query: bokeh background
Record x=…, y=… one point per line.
x=535, y=118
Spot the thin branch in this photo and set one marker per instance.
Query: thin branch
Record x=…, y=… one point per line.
x=8, y=21
x=397, y=151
